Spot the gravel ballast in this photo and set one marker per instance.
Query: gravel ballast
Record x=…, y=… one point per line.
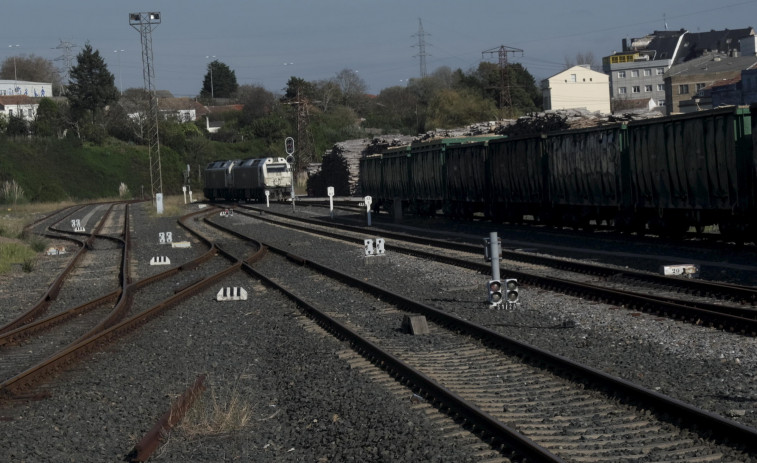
x=303, y=402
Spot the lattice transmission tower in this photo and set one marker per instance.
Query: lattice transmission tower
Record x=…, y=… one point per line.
x=505, y=95
x=421, y=47
x=68, y=60
x=145, y=23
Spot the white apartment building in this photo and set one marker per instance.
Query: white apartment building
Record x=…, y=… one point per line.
x=577, y=87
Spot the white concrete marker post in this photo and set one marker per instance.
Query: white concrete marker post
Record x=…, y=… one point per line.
x=159, y=203
x=330, y=193
x=368, y=200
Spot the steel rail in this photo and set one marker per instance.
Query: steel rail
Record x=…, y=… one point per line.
x=54, y=289
x=692, y=417
x=27, y=379
x=32, y=328
x=15, y=387
x=733, y=291
x=738, y=319
x=155, y=436
x=483, y=423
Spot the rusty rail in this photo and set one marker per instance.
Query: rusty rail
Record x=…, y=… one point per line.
x=154, y=437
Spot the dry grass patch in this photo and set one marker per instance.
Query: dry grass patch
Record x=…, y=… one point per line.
x=212, y=414
x=173, y=206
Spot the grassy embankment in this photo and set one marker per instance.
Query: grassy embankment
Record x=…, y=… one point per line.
x=48, y=172
x=17, y=247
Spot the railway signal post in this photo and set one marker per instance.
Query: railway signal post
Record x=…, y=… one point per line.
x=289, y=147
x=494, y=287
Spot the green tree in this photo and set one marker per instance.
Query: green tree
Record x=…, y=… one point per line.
x=335, y=172
x=451, y=108
x=394, y=110
x=17, y=126
x=49, y=120
x=257, y=102
x=220, y=81
x=487, y=80
x=92, y=86
x=424, y=91
x=298, y=88
x=525, y=94
x=271, y=130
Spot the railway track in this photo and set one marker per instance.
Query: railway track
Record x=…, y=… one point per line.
x=621, y=287
x=456, y=374
x=526, y=401
x=35, y=348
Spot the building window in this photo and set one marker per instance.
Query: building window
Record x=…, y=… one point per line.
x=635, y=73
x=572, y=77
x=660, y=103
x=635, y=89
x=647, y=72
x=660, y=71
x=660, y=87
x=10, y=112
x=700, y=87
x=621, y=74
x=647, y=88
x=622, y=90
x=683, y=89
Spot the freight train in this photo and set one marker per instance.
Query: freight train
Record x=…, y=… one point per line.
x=660, y=176
x=248, y=179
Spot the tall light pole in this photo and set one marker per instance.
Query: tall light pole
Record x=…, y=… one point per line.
x=15, y=76
x=144, y=23
x=212, y=92
x=120, y=82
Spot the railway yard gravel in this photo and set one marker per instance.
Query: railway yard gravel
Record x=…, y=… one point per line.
x=297, y=399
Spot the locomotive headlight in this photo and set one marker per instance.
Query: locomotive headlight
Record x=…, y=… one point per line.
x=511, y=286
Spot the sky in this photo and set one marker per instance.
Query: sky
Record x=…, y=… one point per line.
x=267, y=42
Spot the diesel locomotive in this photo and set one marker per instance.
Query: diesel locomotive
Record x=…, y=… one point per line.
x=248, y=179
